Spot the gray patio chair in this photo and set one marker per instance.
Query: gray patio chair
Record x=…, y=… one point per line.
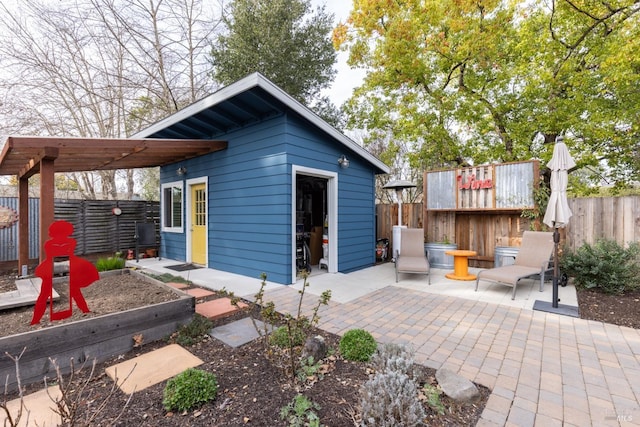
x=532, y=260
x=412, y=257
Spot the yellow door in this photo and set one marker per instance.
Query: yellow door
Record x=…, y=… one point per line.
x=199, y=224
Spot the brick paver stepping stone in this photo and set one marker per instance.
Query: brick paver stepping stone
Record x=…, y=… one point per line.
x=199, y=292
x=178, y=285
x=152, y=368
x=40, y=407
x=238, y=333
x=217, y=308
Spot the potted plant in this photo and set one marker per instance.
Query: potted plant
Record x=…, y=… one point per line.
x=436, y=253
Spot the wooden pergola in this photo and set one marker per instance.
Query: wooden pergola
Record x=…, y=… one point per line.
x=27, y=156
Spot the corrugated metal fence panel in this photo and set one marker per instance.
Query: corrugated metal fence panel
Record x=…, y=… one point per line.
x=514, y=189
x=440, y=188
x=9, y=236
x=96, y=229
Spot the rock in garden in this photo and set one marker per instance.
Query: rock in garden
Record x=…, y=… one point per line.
x=61, y=268
x=456, y=387
x=315, y=347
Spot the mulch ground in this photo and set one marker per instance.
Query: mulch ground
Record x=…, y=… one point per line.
x=622, y=310
x=252, y=389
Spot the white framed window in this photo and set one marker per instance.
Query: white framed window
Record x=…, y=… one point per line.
x=172, y=207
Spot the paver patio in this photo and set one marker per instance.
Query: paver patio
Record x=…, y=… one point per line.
x=544, y=369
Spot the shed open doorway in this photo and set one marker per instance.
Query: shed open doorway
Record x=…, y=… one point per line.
x=314, y=220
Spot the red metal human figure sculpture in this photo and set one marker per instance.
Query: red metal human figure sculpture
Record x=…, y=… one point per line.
x=81, y=273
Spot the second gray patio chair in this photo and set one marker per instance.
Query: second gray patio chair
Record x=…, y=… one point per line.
x=532, y=260
x=412, y=257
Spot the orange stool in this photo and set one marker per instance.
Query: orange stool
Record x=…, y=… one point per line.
x=461, y=265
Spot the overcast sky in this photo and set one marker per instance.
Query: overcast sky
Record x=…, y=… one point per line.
x=346, y=79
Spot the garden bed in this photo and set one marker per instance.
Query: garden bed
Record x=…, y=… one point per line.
x=111, y=329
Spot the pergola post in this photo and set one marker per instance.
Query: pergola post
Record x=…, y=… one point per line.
x=23, y=226
x=43, y=163
x=47, y=192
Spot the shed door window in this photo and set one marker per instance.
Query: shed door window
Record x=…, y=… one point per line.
x=172, y=207
x=200, y=207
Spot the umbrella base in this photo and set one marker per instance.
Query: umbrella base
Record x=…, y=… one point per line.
x=563, y=309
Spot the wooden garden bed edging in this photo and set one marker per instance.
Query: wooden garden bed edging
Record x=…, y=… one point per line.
x=98, y=337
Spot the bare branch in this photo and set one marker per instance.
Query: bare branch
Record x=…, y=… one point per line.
x=4, y=405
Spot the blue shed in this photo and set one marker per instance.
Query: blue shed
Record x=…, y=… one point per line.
x=285, y=177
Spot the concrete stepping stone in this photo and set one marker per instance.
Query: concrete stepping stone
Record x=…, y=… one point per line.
x=152, y=368
x=217, y=308
x=199, y=292
x=40, y=407
x=238, y=333
x=26, y=293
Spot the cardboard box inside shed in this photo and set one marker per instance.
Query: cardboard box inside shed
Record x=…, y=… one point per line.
x=315, y=245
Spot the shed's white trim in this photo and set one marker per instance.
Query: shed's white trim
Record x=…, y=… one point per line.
x=332, y=202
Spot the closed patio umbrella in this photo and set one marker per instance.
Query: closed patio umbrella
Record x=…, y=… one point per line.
x=558, y=212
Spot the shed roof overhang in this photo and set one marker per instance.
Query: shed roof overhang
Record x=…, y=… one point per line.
x=249, y=100
x=21, y=155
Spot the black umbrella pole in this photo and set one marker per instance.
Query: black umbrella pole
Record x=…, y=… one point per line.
x=556, y=270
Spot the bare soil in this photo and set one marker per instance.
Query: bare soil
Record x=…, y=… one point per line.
x=621, y=310
x=251, y=389
x=108, y=295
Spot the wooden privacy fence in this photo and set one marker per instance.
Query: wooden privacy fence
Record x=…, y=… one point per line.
x=614, y=218
x=387, y=217
x=96, y=228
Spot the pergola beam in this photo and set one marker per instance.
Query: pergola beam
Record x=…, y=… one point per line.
x=33, y=165
x=48, y=155
x=86, y=154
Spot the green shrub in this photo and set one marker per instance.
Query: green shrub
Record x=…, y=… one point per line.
x=189, y=389
x=605, y=266
x=111, y=263
x=280, y=336
x=358, y=345
x=300, y=412
x=192, y=332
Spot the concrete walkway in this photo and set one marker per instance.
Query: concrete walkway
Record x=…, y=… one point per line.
x=544, y=369
x=26, y=293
